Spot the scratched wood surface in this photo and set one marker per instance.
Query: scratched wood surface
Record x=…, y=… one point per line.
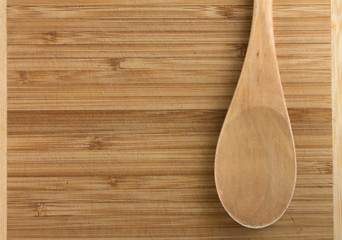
x=115, y=107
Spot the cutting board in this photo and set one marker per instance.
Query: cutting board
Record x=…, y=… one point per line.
x=115, y=107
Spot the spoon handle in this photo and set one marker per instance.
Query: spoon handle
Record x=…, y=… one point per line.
x=260, y=76
x=263, y=19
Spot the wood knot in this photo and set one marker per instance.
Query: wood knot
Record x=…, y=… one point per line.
x=51, y=37
x=243, y=49
x=95, y=143
x=40, y=210
x=23, y=76
x=115, y=63
x=225, y=11
x=113, y=181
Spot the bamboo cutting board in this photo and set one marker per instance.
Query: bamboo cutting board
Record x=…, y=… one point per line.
x=115, y=107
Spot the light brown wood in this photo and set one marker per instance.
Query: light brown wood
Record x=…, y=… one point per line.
x=336, y=20
x=113, y=136
x=255, y=163
x=3, y=120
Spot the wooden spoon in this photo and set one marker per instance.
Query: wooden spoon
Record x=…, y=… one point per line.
x=255, y=164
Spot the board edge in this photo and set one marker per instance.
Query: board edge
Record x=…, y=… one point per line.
x=3, y=120
x=336, y=22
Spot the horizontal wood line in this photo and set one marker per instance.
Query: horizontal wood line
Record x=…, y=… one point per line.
x=237, y=18
x=14, y=83
x=155, y=85
x=180, y=57
x=101, y=178
x=165, y=4
x=325, y=71
x=149, y=18
x=119, y=44
x=178, y=111
x=287, y=71
x=104, y=3
x=102, y=45
x=190, y=30
x=117, y=99
x=197, y=57
x=24, y=174
x=106, y=23
x=131, y=97
x=162, y=43
x=234, y=30
x=13, y=174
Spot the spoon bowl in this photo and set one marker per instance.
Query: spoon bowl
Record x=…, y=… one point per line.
x=256, y=200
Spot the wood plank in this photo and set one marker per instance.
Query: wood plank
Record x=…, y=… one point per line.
x=3, y=120
x=114, y=110
x=336, y=20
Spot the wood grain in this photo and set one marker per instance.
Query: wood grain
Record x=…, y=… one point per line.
x=3, y=120
x=115, y=107
x=336, y=20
